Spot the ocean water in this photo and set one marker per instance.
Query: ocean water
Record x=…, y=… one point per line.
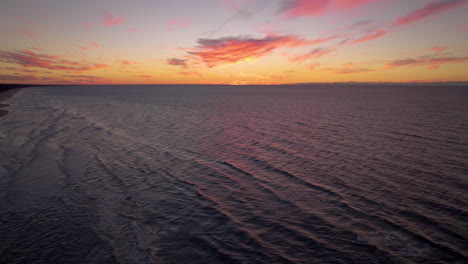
x=235, y=174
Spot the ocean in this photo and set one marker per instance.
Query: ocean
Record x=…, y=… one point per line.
x=235, y=174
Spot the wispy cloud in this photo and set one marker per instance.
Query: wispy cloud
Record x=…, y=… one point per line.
x=89, y=45
x=371, y=36
x=87, y=26
x=431, y=9
x=134, y=29
x=439, y=48
x=191, y=73
x=146, y=77
x=425, y=61
x=314, y=54
x=112, y=20
x=128, y=62
x=27, y=58
x=30, y=33
x=18, y=77
x=300, y=8
x=178, y=23
x=177, y=62
x=348, y=68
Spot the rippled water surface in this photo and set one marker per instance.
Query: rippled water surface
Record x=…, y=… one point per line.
x=223, y=174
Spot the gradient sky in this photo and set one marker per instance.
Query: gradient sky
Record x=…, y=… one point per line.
x=232, y=41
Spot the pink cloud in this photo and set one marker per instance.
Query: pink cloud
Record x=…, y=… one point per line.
x=299, y=8
x=30, y=33
x=371, y=36
x=228, y=50
x=431, y=9
x=439, y=48
x=28, y=58
x=90, y=45
x=178, y=23
x=314, y=54
x=111, y=20
x=134, y=29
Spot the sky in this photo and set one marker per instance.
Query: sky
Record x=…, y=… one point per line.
x=232, y=41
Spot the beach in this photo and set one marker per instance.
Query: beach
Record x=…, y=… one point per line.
x=7, y=91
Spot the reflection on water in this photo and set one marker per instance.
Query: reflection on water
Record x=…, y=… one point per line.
x=219, y=174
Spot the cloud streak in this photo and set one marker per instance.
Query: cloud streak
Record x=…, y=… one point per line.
x=90, y=45
x=27, y=58
x=30, y=33
x=349, y=68
x=178, y=23
x=371, y=36
x=314, y=54
x=425, y=61
x=431, y=9
x=439, y=48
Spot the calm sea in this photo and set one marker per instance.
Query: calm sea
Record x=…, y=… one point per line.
x=235, y=174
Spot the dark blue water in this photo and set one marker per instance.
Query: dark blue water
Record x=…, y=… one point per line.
x=227, y=174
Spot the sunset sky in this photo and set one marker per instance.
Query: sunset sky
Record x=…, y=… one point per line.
x=232, y=41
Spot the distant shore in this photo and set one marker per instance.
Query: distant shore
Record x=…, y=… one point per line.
x=7, y=91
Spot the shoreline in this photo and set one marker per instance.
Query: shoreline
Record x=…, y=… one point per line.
x=5, y=95
x=7, y=91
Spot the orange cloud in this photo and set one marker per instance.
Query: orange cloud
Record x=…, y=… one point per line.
x=111, y=20
x=425, y=60
x=431, y=9
x=27, y=58
x=228, y=50
x=371, y=36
